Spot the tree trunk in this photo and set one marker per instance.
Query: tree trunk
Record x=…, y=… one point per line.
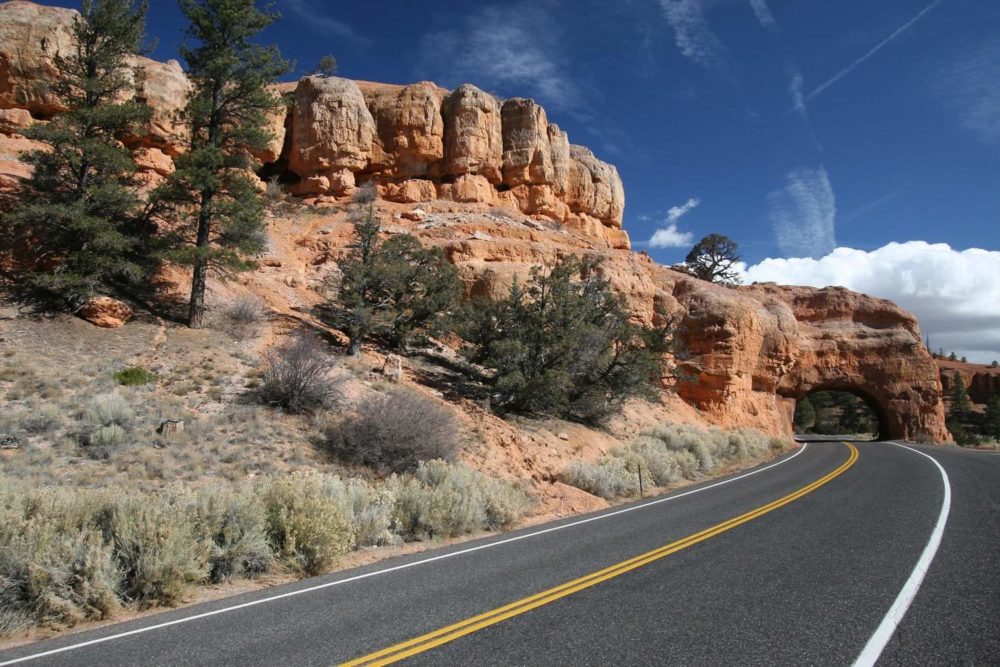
x=199, y=278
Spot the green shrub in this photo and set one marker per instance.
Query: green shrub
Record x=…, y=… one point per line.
x=306, y=527
x=134, y=375
x=107, y=437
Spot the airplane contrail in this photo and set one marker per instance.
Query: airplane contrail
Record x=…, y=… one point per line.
x=850, y=68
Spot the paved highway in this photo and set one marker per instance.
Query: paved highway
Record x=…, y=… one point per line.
x=832, y=555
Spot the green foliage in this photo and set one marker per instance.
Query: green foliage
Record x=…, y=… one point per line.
x=715, y=258
x=326, y=66
x=210, y=202
x=134, y=375
x=835, y=413
x=991, y=421
x=564, y=344
x=805, y=415
x=307, y=526
x=80, y=216
x=392, y=289
x=961, y=404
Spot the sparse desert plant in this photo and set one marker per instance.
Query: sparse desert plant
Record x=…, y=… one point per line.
x=393, y=432
x=307, y=528
x=246, y=310
x=300, y=376
x=134, y=375
x=233, y=523
x=108, y=437
x=273, y=189
x=665, y=454
x=108, y=409
x=155, y=546
x=43, y=418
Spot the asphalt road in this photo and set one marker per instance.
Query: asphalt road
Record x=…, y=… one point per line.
x=797, y=563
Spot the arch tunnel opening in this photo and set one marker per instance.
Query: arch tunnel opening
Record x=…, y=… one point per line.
x=839, y=414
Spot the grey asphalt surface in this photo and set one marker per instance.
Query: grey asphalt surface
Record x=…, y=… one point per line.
x=805, y=584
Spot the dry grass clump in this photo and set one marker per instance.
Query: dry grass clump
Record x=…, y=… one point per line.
x=666, y=454
x=300, y=376
x=70, y=554
x=394, y=432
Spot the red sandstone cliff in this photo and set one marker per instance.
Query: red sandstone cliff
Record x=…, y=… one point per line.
x=520, y=195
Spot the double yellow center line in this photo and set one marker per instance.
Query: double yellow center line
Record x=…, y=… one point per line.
x=450, y=633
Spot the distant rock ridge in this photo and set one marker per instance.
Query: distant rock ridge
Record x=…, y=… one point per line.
x=418, y=142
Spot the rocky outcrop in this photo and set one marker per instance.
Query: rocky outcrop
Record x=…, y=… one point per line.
x=30, y=38
x=165, y=88
x=981, y=382
x=105, y=312
x=410, y=129
x=473, y=139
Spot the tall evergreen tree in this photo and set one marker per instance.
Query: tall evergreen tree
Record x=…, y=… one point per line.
x=390, y=288
x=961, y=405
x=214, y=211
x=78, y=207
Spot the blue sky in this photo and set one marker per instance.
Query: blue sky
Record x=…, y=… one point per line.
x=793, y=126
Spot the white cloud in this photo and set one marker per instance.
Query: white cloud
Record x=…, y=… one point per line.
x=803, y=213
x=691, y=32
x=954, y=294
x=513, y=49
x=878, y=47
x=675, y=213
x=795, y=90
x=763, y=13
x=670, y=237
x=971, y=85
x=312, y=15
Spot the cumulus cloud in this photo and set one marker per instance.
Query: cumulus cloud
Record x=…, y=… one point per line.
x=312, y=15
x=763, y=13
x=871, y=52
x=954, y=294
x=971, y=86
x=511, y=49
x=803, y=213
x=691, y=32
x=670, y=236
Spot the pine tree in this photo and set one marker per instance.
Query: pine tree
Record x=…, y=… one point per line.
x=564, y=344
x=714, y=258
x=991, y=423
x=211, y=203
x=805, y=415
x=79, y=207
x=961, y=405
x=392, y=288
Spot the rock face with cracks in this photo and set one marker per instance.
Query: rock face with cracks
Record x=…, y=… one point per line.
x=744, y=355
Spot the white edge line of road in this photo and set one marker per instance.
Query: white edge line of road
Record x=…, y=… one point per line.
x=252, y=603
x=887, y=628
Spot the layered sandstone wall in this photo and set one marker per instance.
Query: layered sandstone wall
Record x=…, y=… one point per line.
x=744, y=355
x=418, y=142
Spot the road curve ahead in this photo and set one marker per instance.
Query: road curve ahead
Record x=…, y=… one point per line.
x=834, y=554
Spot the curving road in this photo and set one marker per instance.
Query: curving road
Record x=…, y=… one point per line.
x=834, y=554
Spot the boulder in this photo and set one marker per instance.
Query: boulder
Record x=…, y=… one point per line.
x=470, y=188
x=332, y=128
x=473, y=141
x=410, y=129
x=527, y=153
x=105, y=312
x=410, y=191
x=153, y=159
x=30, y=37
x=15, y=121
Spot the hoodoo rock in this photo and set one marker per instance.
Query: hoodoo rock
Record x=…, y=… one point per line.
x=165, y=88
x=473, y=137
x=527, y=153
x=332, y=132
x=410, y=130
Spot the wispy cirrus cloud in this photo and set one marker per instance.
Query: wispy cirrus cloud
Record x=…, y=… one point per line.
x=871, y=52
x=670, y=236
x=970, y=85
x=763, y=13
x=692, y=33
x=513, y=50
x=311, y=13
x=803, y=213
